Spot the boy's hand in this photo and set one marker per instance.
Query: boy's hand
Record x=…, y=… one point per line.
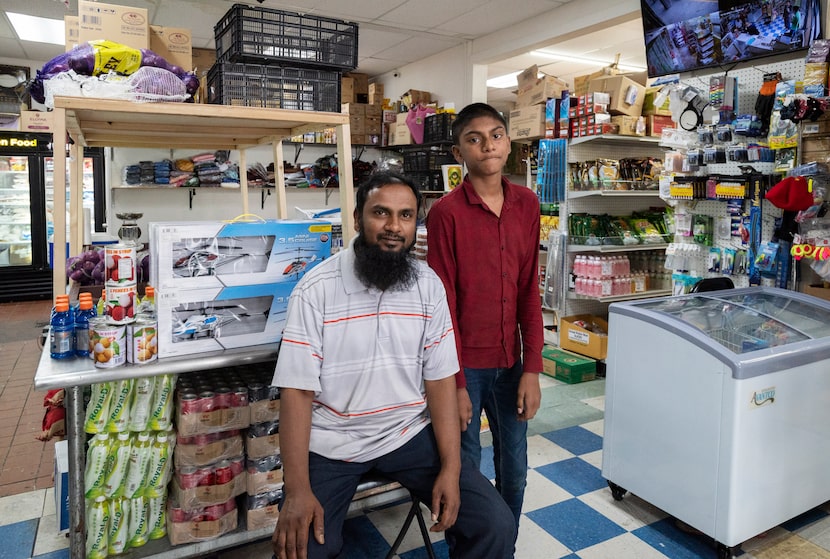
x=465, y=408
x=529, y=397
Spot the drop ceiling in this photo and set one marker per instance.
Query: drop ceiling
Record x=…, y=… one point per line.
x=392, y=33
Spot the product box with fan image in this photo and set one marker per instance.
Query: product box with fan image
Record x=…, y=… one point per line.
x=209, y=254
x=194, y=321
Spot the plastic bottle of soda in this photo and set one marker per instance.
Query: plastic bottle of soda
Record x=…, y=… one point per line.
x=98, y=408
x=86, y=310
x=118, y=535
x=141, y=404
x=158, y=469
x=156, y=517
x=62, y=330
x=118, y=461
x=137, y=468
x=137, y=527
x=97, y=529
x=119, y=410
x=161, y=415
x=96, y=466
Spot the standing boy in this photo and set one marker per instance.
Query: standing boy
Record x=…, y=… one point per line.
x=366, y=375
x=483, y=242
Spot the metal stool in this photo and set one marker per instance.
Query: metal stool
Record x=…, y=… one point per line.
x=375, y=490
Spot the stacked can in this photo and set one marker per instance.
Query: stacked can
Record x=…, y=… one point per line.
x=120, y=283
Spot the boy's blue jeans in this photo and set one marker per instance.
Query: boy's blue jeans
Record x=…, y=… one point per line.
x=494, y=391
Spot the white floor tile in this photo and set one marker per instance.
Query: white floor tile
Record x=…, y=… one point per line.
x=541, y=451
x=593, y=458
x=766, y=540
x=624, y=546
x=545, y=381
x=630, y=513
x=535, y=543
x=596, y=427
x=596, y=402
x=48, y=539
x=542, y=492
x=49, y=502
x=24, y=506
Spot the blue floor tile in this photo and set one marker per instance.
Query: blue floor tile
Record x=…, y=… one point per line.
x=440, y=548
x=575, y=524
x=665, y=537
x=576, y=440
x=802, y=520
x=18, y=539
x=574, y=475
x=361, y=540
x=59, y=554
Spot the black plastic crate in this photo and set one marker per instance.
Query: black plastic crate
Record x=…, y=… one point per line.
x=438, y=127
x=268, y=36
x=428, y=180
x=273, y=87
x=426, y=160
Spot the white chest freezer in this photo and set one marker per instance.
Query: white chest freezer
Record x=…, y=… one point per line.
x=717, y=408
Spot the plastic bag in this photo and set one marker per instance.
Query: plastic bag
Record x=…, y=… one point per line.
x=415, y=122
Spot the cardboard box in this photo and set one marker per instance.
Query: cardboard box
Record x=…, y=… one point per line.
x=402, y=136
x=580, y=86
x=71, y=32
x=373, y=110
x=203, y=254
x=534, y=90
x=174, y=44
x=361, y=83
x=197, y=531
x=202, y=60
x=415, y=96
x=204, y=454
x=347, y=94
x=261, y=447
x=121, y=24
x=189, y=424
x=527, y=122
x=356, y=109
x=376, y=94
x=263, y=482
x=62, y=485
x=648, y=103
x=568, y=367
x=627, y=96
x=630, y=125
x=817, y=290
x=656, y=123
x=573, y=336
x=371, y=125
x=207, y=495
x=263, y=517
x=37, y=121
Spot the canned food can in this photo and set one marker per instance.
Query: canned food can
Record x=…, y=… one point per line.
x=108, y=343
x=237, y=465
x=223, y=473
x=207, y=401
x=178, y=514
x=257, y=392
x=120, y=302
x=189, y=402
x=119, y=264
x=215, y=512
x=205, y=477
x=230, y=505
x=142, y=341
x=240, y=396
x=223, y=397
x=188, y=478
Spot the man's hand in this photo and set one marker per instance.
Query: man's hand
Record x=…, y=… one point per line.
x=529, y=397
x=465, y=408
x=290, y=538
x=446, y=498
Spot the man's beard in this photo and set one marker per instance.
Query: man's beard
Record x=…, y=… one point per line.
x=384, y=269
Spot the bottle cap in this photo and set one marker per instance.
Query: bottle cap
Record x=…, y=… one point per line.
x=61, y=298
x=85, y=304
x=85, y=295
x=61, y=306
x=149, y=291
x=123, y=436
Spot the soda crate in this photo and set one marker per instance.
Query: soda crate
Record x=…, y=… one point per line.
x=265, y=35
x=274, y=87
x=438, y=128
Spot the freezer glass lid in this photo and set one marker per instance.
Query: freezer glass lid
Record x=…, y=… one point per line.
x=812, y=321
x=738, y=328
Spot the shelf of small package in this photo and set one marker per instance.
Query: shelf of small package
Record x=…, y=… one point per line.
x=81, y=371
x=573, y=194
x=614, y=138
x=627, y=297
x=617, y=248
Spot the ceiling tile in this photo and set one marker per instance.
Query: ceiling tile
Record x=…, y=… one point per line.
x=415, y=49
x=11, y=48
x=372, y=42
x=357, y=10
x=429, y=14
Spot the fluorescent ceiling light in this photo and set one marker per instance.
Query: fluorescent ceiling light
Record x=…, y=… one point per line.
x=505, y=81
x=590, y=61
x=38, y=29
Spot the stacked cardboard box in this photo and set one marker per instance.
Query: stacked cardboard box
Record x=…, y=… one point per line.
x=589, y=115
x=538, y=105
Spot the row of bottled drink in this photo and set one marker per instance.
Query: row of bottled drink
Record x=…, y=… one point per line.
x=620, y=274
x=637, y=282
x=69, y=335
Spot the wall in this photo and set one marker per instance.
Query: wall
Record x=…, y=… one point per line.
x=444, y=75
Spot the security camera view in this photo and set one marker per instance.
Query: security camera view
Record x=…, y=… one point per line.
x=682, y=36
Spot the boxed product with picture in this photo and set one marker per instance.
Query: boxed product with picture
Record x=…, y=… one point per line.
x=194, y=255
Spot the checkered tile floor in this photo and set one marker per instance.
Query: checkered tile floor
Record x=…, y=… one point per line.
x=569, y=512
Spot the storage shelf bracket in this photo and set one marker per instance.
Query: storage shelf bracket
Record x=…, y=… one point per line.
x=264, y=193
x=191, y=194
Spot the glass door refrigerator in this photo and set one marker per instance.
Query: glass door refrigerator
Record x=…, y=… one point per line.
x=25, y=212
x=717, y=408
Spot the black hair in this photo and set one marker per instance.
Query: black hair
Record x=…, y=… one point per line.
x=471, y=112
x=379, y=179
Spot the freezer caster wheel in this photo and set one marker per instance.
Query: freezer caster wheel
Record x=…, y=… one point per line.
x=616, y=491
x=725, y=552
